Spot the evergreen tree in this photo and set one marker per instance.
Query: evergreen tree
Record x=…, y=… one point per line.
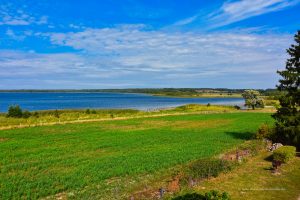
x=287, y=117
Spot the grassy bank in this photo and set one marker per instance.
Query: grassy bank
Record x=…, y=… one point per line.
x=83, y=160
x=199, y=95
x=73, y=116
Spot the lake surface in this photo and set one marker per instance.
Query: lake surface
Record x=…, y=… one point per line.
x=52, y=101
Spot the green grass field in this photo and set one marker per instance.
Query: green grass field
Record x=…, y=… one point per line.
x=43, y=161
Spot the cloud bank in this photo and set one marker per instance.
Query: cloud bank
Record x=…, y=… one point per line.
x=158, y=58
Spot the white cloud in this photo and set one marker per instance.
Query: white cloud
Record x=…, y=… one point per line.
x=234, y=11
x=186, y=21
x=12, y=17
x=130, y=55
x=10, y=33
x=155, y=50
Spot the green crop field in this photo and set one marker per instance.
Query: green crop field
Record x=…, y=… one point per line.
x=43, y=161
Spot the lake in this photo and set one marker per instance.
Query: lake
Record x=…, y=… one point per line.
x=83, y=100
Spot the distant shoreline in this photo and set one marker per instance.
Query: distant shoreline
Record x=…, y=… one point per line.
x=159, y=92
x=151, y=94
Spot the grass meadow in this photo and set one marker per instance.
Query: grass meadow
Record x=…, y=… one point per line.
x=39, y=118
x=40, y=162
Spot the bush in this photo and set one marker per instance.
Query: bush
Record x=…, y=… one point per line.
x=284, y=154
x=87, y=111
x=237, y=107
x=26, y=114
x=206, y=168
x=272, y=102
x=36, y=114
x=212, y=195
x=252, y=146
x=15, y=111
x=264, y=131
x=192, y=196
x=56, y=114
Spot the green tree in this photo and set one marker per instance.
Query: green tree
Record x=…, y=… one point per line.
x=15, y=111
x=252, y=99
x=287, y=129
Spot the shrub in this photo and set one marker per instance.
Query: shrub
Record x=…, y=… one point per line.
x=56, y=114
x=284, y=154
x=272, y=102
x=252, y=146
x=192, y=196
x=237, y=107
x=264, y=131
x=36, y=114
x=26, y=114
x=216, y=195
x=15, y=111
x=93, y=112
x=206, y=168
x=208, y=105
x=212, y=195
x=87, y=111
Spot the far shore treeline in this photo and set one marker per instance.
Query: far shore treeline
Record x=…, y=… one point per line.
x=167, y=91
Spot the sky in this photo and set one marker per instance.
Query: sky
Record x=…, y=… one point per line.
x=92, y=44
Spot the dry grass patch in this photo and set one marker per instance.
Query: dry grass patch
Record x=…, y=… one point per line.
x=3, y=139
x=200, y=124
x=155, y=124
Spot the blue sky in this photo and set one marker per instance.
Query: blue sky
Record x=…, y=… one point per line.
x=76, y=44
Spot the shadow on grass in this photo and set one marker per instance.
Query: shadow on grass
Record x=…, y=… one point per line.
x=269, y=158
x=268, y=168
x=240, y=135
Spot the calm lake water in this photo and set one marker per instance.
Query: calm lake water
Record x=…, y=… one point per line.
x=51, y=101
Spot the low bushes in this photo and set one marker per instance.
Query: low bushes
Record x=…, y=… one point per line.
x=206, y=168
x=192, y=196
x=284, y=154
x=199, y=107
x=17, y=112
x=216, y=195
x=264, y=131
x=237, y=107
x=212, y=195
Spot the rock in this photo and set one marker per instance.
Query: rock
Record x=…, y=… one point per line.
x=174, y=185
x=161, y=192
x=275, y=146
x=192, y=182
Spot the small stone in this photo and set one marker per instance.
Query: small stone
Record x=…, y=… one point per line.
x=275, y=146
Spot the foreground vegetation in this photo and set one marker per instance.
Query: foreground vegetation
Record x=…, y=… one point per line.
x=255, y=181
x=109, y=159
